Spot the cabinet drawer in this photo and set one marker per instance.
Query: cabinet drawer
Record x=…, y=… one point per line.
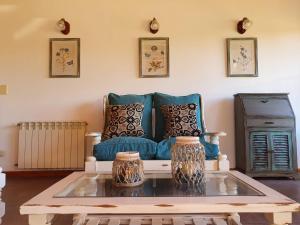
x=270, y=123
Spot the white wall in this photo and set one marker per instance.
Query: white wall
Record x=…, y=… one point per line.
x=109, y=32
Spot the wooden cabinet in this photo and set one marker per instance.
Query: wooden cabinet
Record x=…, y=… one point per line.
x=265, y=135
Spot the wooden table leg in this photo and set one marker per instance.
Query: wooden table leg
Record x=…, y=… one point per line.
x=40, y=219
x=2, y=210
x=279, y=218
x=79, y=219
x=234, y=219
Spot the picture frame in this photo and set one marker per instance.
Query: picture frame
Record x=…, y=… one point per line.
x=242, y=57
x=154, y=57
x=64, y=58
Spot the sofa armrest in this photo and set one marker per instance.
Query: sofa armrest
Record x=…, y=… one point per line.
x=215, y=136
x=95, y=136
x=92, y=138
x=222, y=158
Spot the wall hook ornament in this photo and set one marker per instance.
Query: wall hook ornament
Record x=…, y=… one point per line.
x=63, y=26
x=154, y=26
x=243, y=25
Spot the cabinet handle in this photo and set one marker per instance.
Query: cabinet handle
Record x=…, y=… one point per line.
x=264, y=101
x=269, y=122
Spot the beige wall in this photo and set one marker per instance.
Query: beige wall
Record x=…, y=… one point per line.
x=109, y=32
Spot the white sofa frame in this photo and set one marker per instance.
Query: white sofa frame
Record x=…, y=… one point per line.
x=2, y=181
x=2, y=184
x=92, y=165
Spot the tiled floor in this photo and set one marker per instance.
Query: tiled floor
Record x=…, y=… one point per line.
x=20, y=189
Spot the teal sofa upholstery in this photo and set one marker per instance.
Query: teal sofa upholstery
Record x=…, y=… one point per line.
x=107, y=150
x=163, y=149
x=148, y=146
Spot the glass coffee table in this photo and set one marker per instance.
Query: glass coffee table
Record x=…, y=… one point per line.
x=223, y=195
x=158, y=185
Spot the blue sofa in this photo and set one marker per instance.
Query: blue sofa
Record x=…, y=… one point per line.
x=153, y=147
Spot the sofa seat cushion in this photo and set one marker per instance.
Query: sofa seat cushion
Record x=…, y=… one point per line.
x=164, y=149
x=107, y=150
x=164, y=99
x=146, y=100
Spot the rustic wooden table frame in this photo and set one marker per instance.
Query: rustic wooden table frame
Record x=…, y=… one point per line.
x=277, y=207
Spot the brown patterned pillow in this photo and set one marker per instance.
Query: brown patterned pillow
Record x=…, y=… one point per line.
x=123, y=120
x=180, y=120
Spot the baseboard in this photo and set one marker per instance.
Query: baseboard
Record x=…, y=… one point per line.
x=52, y=173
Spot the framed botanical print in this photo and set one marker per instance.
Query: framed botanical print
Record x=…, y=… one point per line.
x=154, y=57
x=242, y=57
x=64, y=57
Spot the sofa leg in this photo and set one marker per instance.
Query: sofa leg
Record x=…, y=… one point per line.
x=223, y=162
x=214, y=137
x=90, y=164
x=2, y=181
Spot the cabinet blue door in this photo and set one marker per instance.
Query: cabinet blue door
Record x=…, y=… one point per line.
x=271, y=151
x=259, y=151
x=281, y=151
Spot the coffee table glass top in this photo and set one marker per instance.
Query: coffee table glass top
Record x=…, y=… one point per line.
x=158, y=185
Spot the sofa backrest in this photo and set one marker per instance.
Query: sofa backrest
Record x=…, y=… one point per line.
x=154, y=113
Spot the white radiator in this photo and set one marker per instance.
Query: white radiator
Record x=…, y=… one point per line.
x=51, y=145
